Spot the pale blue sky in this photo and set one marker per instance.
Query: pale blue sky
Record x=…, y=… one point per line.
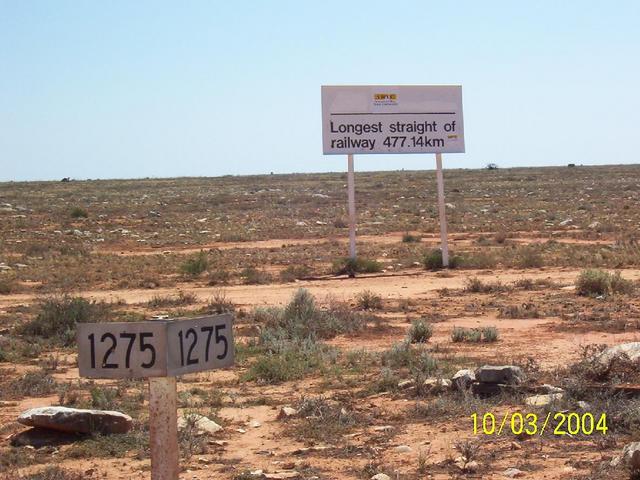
x=119, y=89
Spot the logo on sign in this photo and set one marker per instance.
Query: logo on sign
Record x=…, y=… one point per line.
x=385, y=99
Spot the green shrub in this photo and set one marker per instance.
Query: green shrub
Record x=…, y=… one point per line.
x=530, y=258
x=33, y=384
x=351, y=266
x=490, y=334
x=253, y=276
x=195, y=265
x=409, y=238
x=475, y=285
x=294, y=272
x=78, y=212
x=598, y=282
x=7, y=286
x=58, y=317
x=432, y=260
x=420, y=331
x=459, y=334
x=367, y=300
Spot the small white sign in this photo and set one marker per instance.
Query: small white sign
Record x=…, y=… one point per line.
x=155, y=348
x=392, y=119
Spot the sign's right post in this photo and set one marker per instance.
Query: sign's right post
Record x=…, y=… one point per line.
x=442, y=212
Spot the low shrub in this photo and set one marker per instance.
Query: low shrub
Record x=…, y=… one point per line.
x=367, y=300
x=79, y=212
x=474, y=335
x=57, y=318
x=219, y=277
x=253, y=276
x=351, y=266
x=294, y=272
x=409, y=238
x=490, y=334
x=32, y=384
x=158, y=301
x=475, y=285
x=420, y=331
x=596, y=282
x=432, y=260
x=195, y=265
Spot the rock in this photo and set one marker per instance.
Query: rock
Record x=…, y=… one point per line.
x=281, y=475
x=201, y=424
x=43, y=437
x=584, y=406
x=255, y=424
x=631, y=350
x=546, y=388
x=462, y=380
x=471, y=466
x=566, y=222
x=286, y=412
x=383, y=428
x=404, y=384
x=594, y=225
x=631, y=455
x=487, y=389
x=437, y=385
x=381, y=476
x=402, y=449
x=543, y=400
x=506, y=374
x=513, y=473
x=74, y=420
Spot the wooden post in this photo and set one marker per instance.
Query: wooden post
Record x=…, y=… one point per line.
x=163, y=428
x=351, y=193
x=442, y=212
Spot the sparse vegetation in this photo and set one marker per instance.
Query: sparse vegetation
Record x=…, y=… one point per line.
x=410, y=238
x=79, y=212
x=598, y=282
x=195, y=265
x=253, y=276
x=367, y=300
x=420, y=331
x=58, y=317
x=350, y=266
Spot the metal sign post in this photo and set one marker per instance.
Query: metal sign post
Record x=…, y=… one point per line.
x=158, y=350
x=351, y=193
x=442, y=212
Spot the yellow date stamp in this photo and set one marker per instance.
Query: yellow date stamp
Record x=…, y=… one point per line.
x=556, y=423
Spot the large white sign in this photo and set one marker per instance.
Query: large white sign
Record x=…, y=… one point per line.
x=155, y=348
x=392, y=119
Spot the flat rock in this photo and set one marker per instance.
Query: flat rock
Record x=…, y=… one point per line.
x=75, y=420
x=402, y=449
x=463, y=379
x=546, y=388
x=505, y=374
x=630, y=350
x=543, y=400
x=286, y=412
x=281, y=475
x=43, y=437
x=381, y=476
x=513, y=473
x=202, y=424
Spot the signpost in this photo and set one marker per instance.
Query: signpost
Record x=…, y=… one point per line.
x=379, y=119
x=158, y=350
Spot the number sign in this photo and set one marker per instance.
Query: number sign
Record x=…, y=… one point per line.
x=155, y=348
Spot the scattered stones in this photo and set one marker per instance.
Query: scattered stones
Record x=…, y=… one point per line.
x=513, y=473
x=383, y=428
x=437, y=385
x=201, y=424
x=74, y=420
x=543, y=400
x=463, y=379
x=287, y=412
x=405, y=384
x=503, y=374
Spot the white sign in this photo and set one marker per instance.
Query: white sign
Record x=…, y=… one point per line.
x=155, y=348
x=392, y=119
